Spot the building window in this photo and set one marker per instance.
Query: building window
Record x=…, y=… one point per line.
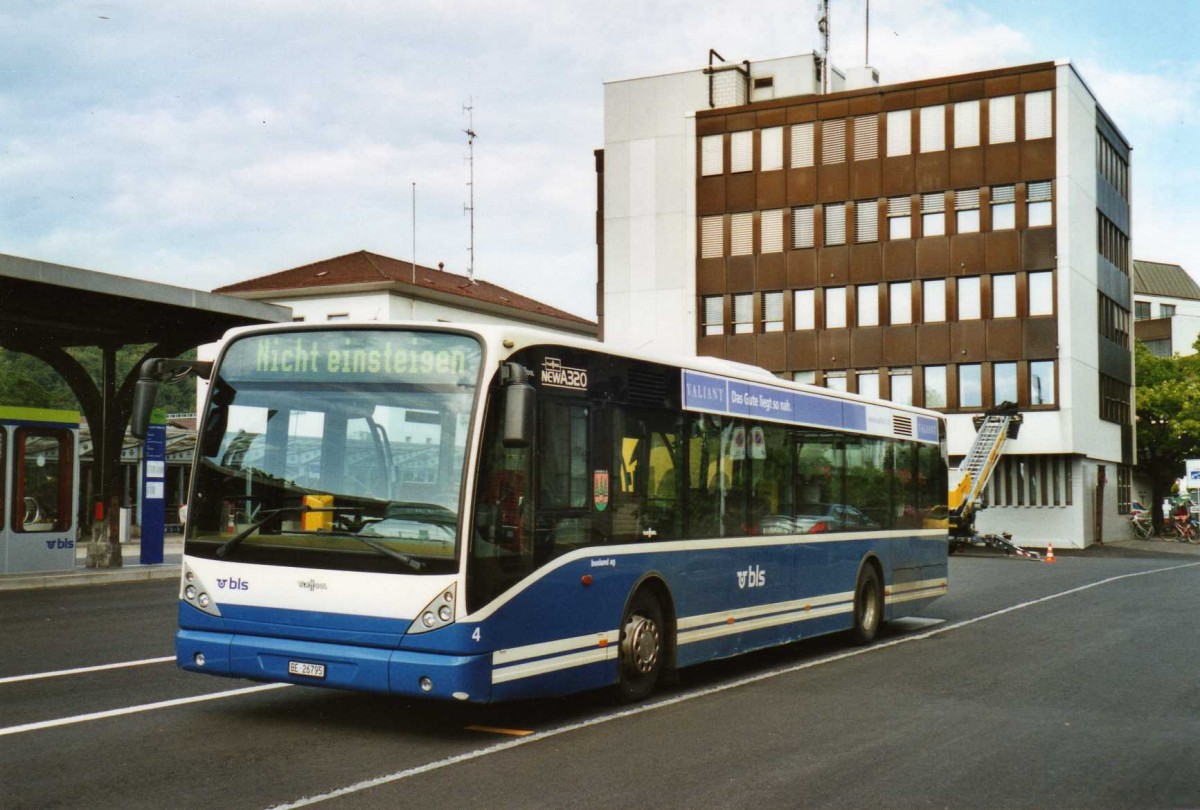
x=1004, y=296
x=1159, y=348
x=338, y=316
x=1041, y=293
x=1038, y=208
x=900, y=381
x=1114, y=400
x=712, y=155
x=1041, y=382
x=970, y=388
x=933, y=128
x=1038, y=122
x=1124, y=489
x=1166, y=310
x=714, y=315
x=968, y=299
x=804, y=309
x=712, y=237
x=1112, y=166
x=741, y=234
x=1004, y=208
x=899, y=133
x=866, y=221
x=966, y=124
x=803, y=232
x=773, y=312
x=900, y=302
x=935, y=386
x=835, y=223
x=743, y=314
x=933, y=300
x=771, y=223
x=1114, y=320
x=1002, y=119
x=771, y=148
x=1112, y=243
x=297, y=319
x=866, y=137
x=1141, y=310
x=741, y=151
x=835, y=380
x=933, y=214
x=833, y=141
x=868, y=384
x=835, y=307
x=966, y=211
x=868, y=305
x=802, y=146
x=806, y=377
x=1004, y=383
x=899, y=214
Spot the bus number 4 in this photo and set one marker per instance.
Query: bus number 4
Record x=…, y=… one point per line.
x=476, y=635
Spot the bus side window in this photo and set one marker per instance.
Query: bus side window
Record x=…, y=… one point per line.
x=647, y=454
x=564, y=507
x=868, y=484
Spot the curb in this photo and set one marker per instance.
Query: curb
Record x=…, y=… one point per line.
x=91, y=576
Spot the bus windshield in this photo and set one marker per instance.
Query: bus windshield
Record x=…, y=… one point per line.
x=336, y=449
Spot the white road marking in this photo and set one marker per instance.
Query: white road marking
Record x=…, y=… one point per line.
x=145, y=707
x=82, y=670
x=712, y=690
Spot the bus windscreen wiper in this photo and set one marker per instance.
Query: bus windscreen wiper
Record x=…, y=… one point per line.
x=411, y=562
x=224, y=550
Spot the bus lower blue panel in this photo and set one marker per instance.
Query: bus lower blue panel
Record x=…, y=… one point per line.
x=747, y=641
x=563, y=682
x=345, y=667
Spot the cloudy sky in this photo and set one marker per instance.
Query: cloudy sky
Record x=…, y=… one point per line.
x=202, y=143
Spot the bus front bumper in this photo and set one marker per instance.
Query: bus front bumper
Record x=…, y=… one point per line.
x=335, y=666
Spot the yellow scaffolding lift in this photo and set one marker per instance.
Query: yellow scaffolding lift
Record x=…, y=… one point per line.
x=967, y=483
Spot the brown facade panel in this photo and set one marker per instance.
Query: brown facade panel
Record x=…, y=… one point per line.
x=898, y=176
x=833, y=348
x=966, y=254
x=866, y=347
x=1001, y=86
x=802, y=350
x=966, y=167
x=1039, y=80
x=968, y=341
x=933, y=256
x=710, y=276
x=742, y=348
x=933, y=94
x=1001, y=163
x=711, y=346
x=741, y=191
x=802, y=113
x=710, y=195
x=772, y=271
x=710, y=125
x=772, y=351
x=866, y=263
x=740, y=121
x=739, y=274
x=1039, y=249
x=1004, y=339
x=833, y=182
x=801, y=186
x=801, y=268
x=772, y=189
x=900, y=345
x=864, y=105
x=1153, y=329
x=1037, y=159
x=933, y=171
x=933, y=343
x=1002, y=251
x=900, y=259
x=771, y=118
x=833, y=265
x=898, y=100
x=967, y=91
x=1040, y=339
x=838, y=108
x=865, y=179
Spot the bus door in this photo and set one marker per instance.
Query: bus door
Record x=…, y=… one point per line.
x=38, y=481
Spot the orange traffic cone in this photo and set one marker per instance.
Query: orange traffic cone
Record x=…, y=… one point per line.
x=1050, y=553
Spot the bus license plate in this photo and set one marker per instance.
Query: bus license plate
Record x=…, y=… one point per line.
x=307, y=670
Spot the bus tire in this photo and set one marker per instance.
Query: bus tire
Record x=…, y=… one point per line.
x=642, y=647
x=868, y=605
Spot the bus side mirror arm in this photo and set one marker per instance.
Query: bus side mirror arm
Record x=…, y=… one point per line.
x=156, y=371
x=520, y=400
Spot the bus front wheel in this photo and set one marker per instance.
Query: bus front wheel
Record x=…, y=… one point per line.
x=642, y=646
x=868, y=605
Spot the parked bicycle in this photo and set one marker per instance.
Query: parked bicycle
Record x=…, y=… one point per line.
x=1185, y=530
x=1142, y=525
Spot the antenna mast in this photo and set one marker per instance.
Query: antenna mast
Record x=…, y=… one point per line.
x=823, y=27
x=469, y=207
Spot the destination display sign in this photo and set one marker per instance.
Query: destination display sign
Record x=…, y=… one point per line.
x=354, y=356
x=711, y=394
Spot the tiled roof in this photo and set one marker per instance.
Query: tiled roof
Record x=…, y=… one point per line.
x=364, y=267
x=1166, y=280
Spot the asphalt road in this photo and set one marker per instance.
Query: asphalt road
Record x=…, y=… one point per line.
x=1031, y=685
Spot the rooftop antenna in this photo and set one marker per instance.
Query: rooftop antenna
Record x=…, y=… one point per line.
x=414, y=251
x=469, y=207
x=867, y=37
x=823, y=27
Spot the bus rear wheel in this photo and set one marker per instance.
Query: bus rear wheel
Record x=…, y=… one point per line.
x=642, y=647
x=868, y=606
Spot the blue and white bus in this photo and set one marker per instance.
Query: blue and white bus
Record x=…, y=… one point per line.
x=489, y=513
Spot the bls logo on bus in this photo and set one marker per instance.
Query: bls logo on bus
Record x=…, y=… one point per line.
x=754, y=577
x=235, y=584
x=60, y=543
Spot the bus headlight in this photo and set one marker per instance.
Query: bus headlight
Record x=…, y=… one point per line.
x=195, y=593
x=438, y=613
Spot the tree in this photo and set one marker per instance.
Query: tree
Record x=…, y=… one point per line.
x=1168, y=419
